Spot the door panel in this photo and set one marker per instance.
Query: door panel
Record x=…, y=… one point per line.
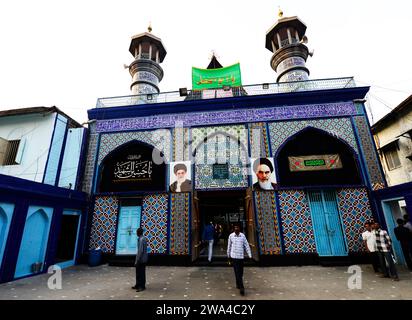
x=35, y=238
x=336, y=238
x=129, y=222
x=6, y=214
x=319, y=223
x=327, y=224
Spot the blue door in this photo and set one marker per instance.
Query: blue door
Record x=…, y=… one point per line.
x=327, y=225
x=34, y=242
x=6, y=213
x=129, y=222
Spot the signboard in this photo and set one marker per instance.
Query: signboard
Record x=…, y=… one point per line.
x=315, y=162
x=221, y=171
x=216, y=78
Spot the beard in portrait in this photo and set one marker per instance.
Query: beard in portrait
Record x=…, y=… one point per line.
x=263, y=169
x=182, y=184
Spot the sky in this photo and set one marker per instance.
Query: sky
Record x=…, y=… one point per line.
x=70, y=53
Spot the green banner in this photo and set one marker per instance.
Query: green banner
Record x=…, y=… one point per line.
x=216, y=78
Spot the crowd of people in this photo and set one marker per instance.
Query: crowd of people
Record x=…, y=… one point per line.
x=379, y=246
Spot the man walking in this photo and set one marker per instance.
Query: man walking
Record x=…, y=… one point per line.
x=237, y=244
x=384, y=248
x=369, y=241
x=404, y=236
x=141, y=261
x=208, y=236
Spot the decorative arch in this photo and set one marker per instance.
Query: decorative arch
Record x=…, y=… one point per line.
x=131, y=167
x=35, y=239
x=161, y=139
x=314, y=141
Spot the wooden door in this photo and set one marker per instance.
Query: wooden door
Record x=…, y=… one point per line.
x=251, y=224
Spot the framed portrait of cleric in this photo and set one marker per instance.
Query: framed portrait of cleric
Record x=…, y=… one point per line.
x=263, y=174
x=180, y=176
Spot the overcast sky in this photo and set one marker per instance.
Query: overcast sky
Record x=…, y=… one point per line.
x=70, y=53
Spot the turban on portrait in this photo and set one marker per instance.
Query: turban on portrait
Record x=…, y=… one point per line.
x=264, y=161
x=180, y=166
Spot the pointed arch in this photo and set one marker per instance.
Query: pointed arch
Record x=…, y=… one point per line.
x=138, y=153
x=313, y=141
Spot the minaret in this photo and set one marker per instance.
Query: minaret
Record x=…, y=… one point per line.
x=286, y=39
x=146, y=72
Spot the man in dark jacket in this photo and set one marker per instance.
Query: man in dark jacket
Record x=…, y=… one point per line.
x=141, y=261
x=404, y=237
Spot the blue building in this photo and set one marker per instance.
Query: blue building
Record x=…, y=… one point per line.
x=42, y=211
x=172, y=162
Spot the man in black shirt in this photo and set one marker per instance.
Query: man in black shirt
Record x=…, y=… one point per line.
x=404, y=237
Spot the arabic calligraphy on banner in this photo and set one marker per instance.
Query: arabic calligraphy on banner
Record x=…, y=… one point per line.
x=216, y=78
x=315, y=162
x=133, y=169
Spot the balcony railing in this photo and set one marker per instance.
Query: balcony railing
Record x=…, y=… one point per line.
x=226, y=92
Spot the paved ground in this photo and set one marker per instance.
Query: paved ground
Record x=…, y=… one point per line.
x=211, y=283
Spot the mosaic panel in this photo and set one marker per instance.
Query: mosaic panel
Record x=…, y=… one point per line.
x=340, y=127
x=179, y=224
x=225, y=144
x=355, y=209
x=161, y=139
x=90, y=160
x=258, y=140
x=181, y=144
x=369, y=153
x=298, y=236
x=267, y=220
x=103, y=231
x=154, y=222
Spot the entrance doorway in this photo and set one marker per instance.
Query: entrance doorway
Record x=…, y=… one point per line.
x=223, y=209
x=128, y=223
x=68, y=236
x=327, y=224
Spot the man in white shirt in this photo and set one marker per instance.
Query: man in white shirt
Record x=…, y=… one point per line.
x=237, y=244
x=369, y=241
x=407, y=224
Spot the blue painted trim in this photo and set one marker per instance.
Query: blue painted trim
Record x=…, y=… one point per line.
x=342, y=224
x=50, y=146
x=268, y=140
x=72, y=262
x=292, y=98
x=62, y=150
x=82, y=161
x=249, y=155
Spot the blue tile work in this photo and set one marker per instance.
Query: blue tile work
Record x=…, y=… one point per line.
x=296, y=221
x=355, y=210
x=259, y=145
x=341, y=127
x=103, y=230
x=267, y=222
x=179, y=224
x=90, y=160
x=369, y=153
x=161, y=139
x=225, y=144
x=154, y=222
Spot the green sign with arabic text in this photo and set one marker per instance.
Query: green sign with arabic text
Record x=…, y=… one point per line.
x=216, y=78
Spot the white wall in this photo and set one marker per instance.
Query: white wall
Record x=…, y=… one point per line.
x=402, y=174
x=37, y=129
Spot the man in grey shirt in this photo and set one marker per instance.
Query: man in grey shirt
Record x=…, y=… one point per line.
x=141, y=261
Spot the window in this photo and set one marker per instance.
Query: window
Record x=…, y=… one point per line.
x=10, y=152
x=392, y=158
